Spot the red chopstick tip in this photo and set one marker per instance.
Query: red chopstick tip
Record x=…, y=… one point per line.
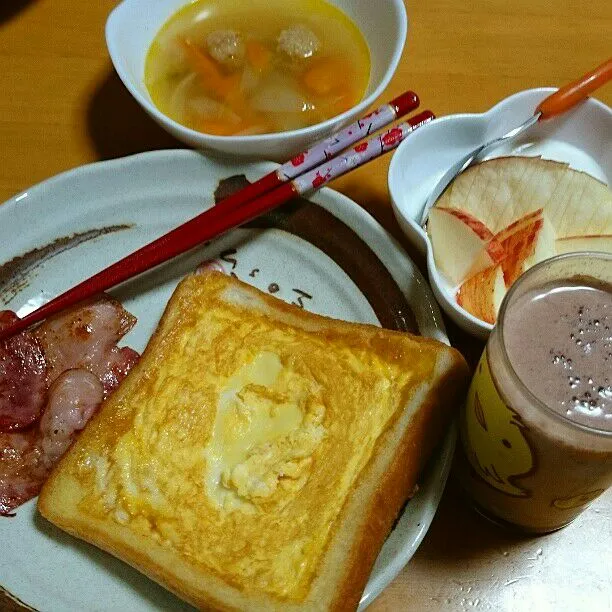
x=404, y=103
x=421, y=119
x=12, y=329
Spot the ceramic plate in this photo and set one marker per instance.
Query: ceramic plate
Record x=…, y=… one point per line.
x=328, y=256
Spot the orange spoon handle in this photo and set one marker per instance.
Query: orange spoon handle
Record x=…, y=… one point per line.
x=569, y=95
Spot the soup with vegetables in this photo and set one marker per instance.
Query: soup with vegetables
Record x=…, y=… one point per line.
x=239, y=68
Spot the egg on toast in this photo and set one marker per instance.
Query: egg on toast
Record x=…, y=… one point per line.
x=257, y=455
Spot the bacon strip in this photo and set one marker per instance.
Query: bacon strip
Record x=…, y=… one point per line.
x=66, y=367
x=86, y=337
x=22, y=472
x=22, y=378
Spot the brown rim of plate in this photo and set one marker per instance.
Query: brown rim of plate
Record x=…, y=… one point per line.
x=16, y=274
x=10, y=603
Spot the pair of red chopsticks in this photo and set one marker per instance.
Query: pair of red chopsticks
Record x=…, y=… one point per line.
x=308, y=171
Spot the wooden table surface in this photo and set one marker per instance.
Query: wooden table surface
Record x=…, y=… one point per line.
x=61, y=105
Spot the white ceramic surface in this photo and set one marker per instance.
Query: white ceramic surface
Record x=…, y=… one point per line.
x=133, y=24
x=581, y=137
x=153, y=192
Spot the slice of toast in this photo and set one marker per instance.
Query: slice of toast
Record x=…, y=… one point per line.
x=257, y=455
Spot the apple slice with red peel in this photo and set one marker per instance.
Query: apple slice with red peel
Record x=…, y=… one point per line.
x=531, y=243
x=519, y=225
x=534, y=207
x=462, y=245
x=500, y=191
x=570, y=244
x=482, y=294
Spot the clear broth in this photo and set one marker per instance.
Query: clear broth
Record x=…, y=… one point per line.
x=260, y=85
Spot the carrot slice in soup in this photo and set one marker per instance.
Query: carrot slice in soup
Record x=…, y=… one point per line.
x=223, y=86
x=258, y=55
x=326, y=76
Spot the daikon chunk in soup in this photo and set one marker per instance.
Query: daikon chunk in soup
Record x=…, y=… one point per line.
x=255, y=67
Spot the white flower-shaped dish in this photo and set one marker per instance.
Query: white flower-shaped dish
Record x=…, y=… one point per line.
x=581, y=138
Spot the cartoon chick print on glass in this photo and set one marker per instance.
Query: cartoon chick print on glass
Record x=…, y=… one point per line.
x=499, y=452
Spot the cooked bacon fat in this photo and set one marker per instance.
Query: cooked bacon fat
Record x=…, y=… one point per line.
x=73, y=398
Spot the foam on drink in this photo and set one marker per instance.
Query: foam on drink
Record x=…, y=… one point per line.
x=559, y=341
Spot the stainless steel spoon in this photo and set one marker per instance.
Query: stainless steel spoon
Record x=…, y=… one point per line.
x=557, y=103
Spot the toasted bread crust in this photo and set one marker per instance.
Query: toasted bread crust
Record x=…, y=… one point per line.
x=364, y=521
x=399, y=483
